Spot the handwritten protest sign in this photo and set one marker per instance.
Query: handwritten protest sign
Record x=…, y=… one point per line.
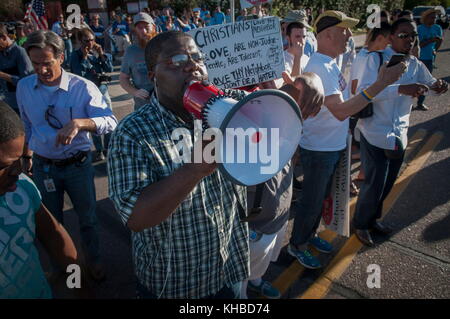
x=336, y=208
x=242, y=53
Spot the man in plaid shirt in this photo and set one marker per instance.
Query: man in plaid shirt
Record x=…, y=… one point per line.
x=188, y=241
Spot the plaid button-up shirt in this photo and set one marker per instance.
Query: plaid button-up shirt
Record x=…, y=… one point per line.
x=203, y=246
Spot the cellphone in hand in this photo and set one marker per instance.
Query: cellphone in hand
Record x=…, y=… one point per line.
x=396, y=59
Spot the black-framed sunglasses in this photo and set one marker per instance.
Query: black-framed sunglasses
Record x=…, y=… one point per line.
x=405, y=35
x=52, y=120
x=180, y=60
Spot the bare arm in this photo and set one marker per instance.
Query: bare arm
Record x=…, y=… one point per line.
x=7, y=77
x=159, y=200
x=55, y=238
x=438, y=43
x=342, y=110
x=424, y=43
x=125, y=83
x=69, y=131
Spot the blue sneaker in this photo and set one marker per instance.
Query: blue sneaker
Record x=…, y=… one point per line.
x=305, y=258
x=321, y=245
x=265, y=289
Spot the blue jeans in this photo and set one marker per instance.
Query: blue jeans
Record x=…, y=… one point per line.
x=233, y=292
x=102, y=145
x=429, y=65
x=78, y=181
x=318, y=170
x=381, y=173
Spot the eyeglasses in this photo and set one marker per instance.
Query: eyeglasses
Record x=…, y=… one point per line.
x=405, y=35
x=180, y=60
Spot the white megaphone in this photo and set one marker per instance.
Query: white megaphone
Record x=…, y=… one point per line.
x=260, y=130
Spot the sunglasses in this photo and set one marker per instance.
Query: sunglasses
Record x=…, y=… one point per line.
x=52, y=120
x=180, y=60
x=405, y=35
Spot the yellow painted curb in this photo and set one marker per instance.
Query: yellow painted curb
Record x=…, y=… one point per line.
x=343, y=259
x=295, y=270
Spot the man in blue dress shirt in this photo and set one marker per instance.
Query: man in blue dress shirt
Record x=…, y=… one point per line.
x=59, y=110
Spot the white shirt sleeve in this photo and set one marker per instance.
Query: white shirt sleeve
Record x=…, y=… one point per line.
x=370, y=76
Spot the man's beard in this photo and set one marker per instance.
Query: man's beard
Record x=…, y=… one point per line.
x=143, y=41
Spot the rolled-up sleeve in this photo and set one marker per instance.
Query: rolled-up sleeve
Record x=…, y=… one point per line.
x=98, y=111
x=129, y=171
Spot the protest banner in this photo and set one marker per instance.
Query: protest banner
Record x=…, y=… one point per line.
x=336, y=208
x=245, y=4
x=242, y=53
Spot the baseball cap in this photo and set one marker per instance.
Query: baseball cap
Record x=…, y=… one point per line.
x=142, y=17
x=331, y=18
x=196, y=10
x=297, y=16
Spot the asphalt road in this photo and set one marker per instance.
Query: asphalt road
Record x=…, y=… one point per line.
x=414, y=261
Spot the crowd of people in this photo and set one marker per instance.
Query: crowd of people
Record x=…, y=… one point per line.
x=189, y=238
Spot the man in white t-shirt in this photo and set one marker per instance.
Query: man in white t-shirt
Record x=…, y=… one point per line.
x=325, y=135
x=294, y=57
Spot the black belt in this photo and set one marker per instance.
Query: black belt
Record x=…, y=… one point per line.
x=80, y=157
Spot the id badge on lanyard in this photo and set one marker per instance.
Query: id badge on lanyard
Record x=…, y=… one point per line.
x=49, y=183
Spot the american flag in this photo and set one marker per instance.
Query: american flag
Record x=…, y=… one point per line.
x=36, y=14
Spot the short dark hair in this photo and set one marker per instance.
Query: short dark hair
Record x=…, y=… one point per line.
x=404, y=13
x=399, y=22
x=384, y=30
x=156, y=45
x=84, y=32
x=11, y=126
x=294, y=25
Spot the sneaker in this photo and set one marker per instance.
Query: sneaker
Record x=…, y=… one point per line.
x=422, y=107
x=321, y=245
x=305, y=258
x=265, y=289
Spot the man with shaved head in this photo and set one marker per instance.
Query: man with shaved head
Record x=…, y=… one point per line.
x=325, y=135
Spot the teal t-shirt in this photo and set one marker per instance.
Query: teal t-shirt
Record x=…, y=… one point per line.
x=425, y=33
x=21, y=274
